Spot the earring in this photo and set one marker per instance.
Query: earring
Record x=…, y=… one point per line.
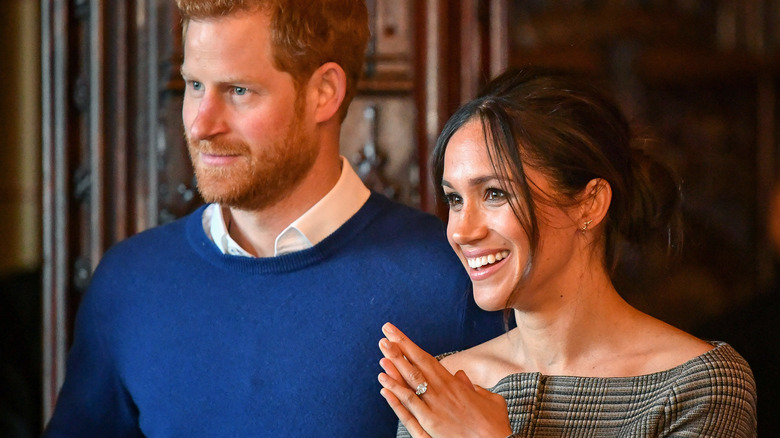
x=584, y=227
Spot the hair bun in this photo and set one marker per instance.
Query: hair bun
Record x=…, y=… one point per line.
x=655, y=201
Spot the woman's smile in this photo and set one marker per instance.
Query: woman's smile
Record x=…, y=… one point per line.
x=479, y=261
x=482, y=267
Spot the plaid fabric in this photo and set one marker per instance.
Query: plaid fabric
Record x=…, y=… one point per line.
x=712, y=395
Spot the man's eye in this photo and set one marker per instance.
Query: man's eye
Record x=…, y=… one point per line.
x=197, y=86
x=240, y=91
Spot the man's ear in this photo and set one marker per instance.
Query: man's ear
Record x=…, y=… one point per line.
x=595, y=201
x=327, y=87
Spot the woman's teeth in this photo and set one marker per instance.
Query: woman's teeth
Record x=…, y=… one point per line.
x=478, y=262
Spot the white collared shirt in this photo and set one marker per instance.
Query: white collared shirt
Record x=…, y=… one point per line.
x=321, y=220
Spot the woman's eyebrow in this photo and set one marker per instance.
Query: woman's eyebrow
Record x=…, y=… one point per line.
x=476, y=180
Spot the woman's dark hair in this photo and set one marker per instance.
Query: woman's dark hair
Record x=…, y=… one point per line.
x=568, y=129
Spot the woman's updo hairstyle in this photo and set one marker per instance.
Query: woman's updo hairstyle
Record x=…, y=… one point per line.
x=570, y=130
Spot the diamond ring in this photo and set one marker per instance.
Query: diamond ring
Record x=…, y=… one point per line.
x=421, y=388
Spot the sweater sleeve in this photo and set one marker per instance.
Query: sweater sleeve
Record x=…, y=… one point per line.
x=92, y=400
x=715, y=397
x=479, y=325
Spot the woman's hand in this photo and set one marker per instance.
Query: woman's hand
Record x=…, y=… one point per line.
x=429, y=400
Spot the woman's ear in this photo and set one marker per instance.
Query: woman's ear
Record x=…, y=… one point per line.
x=328, y=86
x=594, y=205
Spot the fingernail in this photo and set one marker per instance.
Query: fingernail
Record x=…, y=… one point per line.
x=388, y=328
x=384, y=343
x=382, y=378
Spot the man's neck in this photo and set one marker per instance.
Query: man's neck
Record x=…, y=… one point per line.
x=250, y=231
x=256, y=230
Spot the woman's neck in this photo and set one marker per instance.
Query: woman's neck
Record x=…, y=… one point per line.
x=574, y=332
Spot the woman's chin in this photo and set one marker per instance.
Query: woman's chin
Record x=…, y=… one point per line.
x=489, y=301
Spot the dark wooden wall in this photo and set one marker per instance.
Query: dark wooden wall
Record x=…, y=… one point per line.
x=699, y=79
x=113, y=156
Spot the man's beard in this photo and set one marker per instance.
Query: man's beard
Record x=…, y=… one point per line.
x=255, y=182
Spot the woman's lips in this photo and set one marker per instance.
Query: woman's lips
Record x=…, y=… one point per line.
x=481, y=267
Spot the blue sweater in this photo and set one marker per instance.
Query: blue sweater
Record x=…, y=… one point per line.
x=175, y=338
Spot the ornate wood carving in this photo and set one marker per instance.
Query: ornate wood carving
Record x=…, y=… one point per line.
x=378, y=133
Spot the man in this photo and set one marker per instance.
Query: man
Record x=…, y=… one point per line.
x=258, y=314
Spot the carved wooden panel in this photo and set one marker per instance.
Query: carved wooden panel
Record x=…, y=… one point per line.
x=378, y=135
x=114, y=162
x=379, y=140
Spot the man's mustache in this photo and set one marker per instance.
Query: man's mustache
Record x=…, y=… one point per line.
x=218, y=147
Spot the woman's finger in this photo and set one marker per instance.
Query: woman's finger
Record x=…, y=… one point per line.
x=418, y=368
x=409, y=349
x=404, y=402
x=390, y=369
x=461, y=375
x=409, y=421
x=443, y=404
x=406, y=371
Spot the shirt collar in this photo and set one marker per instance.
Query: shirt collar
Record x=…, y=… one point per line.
x=321, y=220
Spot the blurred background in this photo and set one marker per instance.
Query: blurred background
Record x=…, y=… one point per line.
x=92, y=148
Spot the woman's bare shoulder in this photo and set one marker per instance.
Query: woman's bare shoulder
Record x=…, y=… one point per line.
x=485, y=364
x=655, y=346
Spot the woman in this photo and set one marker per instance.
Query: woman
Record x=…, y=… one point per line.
x=544, y=187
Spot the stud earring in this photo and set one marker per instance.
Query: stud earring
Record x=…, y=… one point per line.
x=584, y=227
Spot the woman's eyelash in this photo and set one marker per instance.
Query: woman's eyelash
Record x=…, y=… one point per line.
x=493, y=192
x=452, y=198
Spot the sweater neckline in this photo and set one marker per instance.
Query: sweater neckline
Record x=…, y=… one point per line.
x=720, y=348
x=205, y=248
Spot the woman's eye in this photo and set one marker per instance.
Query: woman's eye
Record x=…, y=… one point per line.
x=453, y=200
x=495, y=195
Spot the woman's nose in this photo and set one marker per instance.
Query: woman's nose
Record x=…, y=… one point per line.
x=467, y=225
